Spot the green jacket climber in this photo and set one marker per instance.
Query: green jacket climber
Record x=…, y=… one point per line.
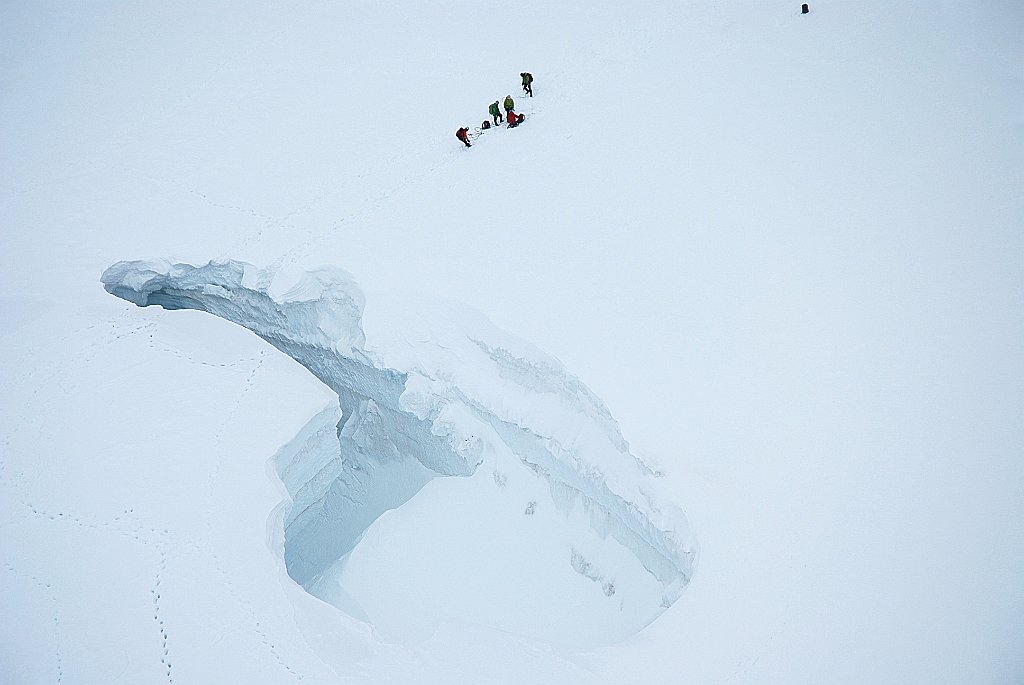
x=495, y=112
x=527, y=83
x=509, y=104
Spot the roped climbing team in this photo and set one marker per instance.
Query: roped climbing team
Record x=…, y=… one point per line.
x=509, y=105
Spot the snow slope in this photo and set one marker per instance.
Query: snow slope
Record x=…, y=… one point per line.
x=785, y=251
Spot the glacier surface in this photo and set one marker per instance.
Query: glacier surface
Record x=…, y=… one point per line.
x=461, y=395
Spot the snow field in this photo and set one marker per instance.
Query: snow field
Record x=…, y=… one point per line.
x=783, y=249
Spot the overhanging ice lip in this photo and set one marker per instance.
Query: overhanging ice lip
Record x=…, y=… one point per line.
x=412, y=413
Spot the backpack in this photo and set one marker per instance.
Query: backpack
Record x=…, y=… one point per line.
x=492, y=109
x=527, y=78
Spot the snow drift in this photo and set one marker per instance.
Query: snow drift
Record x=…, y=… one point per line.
x=567, y=539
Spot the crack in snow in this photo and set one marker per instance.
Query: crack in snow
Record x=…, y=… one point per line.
x=438, y=408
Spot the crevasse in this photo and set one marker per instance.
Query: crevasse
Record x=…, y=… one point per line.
x=412, y=412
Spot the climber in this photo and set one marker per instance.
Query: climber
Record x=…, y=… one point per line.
x=509, y=103
x=527, y=83
x=463, y=135
x=495, y=112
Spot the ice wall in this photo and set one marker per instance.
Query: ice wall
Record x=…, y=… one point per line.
x=410, y=412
